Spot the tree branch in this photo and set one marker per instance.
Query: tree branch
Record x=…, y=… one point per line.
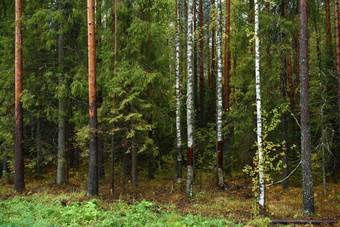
x=278, y=182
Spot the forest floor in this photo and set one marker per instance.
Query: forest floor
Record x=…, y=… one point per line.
x=235, y=203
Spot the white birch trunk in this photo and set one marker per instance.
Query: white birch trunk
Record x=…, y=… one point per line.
x=219, y=105
x=258, y=106
x=178, y=102
x=190, y=101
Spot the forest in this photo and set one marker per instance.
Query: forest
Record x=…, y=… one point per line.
x=169, y=112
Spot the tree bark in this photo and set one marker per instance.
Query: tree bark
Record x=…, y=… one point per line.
x=269, y=60
x=39, y=122
x=93, y=163
x=283, y=89
x=337, y=50
x=290, y=80
x=38, y=138
x=284, y=126
x=251, y=11
x=227, y=58
x=213, y=69
x=307, y=180
x=178, y=101
x=125, y=170
x=134, y=170
x=112, y=165
x=190, y=104
x=219, y=101
x=151, y=169
x=61, y=168
x=328, y=25
x=201, y=61
x=227, y=67
x=19, y=183
x=195, y=57
x=101, y=160
x=323, y=104
x=114, y=71
x=323, y=133
x=258, y=107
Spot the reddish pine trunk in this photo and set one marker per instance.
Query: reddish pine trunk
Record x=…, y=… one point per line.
x=93, y=162
x=337, y=49
x=328, y=24
x=19, y=183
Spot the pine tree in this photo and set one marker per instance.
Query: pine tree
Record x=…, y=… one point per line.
x=93, y=163
x=227, y=67
x=19, y=183
x=307, y=179
x=114, y=71
x=283, y=82
x=227, y=58
x=61, y=169
x=337, y=50
x=201, y=64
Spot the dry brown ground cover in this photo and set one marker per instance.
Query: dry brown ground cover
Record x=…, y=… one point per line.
x=235, y=203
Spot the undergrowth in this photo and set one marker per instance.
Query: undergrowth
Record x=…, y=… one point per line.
x=47, y=210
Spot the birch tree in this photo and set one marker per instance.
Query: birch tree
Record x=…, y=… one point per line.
x=190, y=104
x=178, y=101
x=219, y=105
x=258, y=107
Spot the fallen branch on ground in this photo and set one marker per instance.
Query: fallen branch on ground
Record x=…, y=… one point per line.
x=292, y=221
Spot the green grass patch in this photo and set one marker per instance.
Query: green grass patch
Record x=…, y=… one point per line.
x=45, y=210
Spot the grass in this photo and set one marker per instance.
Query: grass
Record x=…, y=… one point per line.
x=159, y=202
x=48, y=210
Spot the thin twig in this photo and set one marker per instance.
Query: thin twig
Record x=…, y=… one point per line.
x=297, y=122
x=278, y=182
x=7, y=22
